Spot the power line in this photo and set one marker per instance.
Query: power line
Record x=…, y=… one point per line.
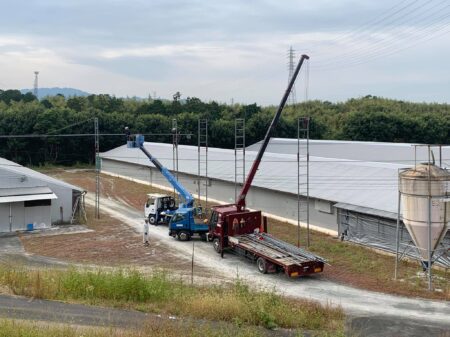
x=378, y=48
x=86, y=135
x=375, y=21
x=293, y=160
x=367, y=33
x=434, y=23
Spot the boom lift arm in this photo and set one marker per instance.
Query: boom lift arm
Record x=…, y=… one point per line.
x=184, y=194
x=248, y=182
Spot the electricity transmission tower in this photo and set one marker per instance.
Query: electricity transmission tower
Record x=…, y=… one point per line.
x=35, y=88
x=291, y=66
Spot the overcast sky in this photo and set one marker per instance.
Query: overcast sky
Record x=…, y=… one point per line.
x=232, y=49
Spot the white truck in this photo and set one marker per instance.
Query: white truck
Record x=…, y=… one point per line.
x=159, y=208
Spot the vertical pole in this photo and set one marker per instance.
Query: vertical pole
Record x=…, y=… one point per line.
x=307, y=180
x=239, y=148
x=175, y=151
x=202, y=142
x=298, y=182
x=199, y=177
x=243, y=150
x=192, y=262
x=429, y=221
x=235, y=161
x=10, y=217
x=415, y=157
x=206, y=167
x=97, y=170
x=430, y=286
x=339, y=222
x=397, y=234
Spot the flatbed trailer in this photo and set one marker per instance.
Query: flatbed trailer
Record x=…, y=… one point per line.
x=273, y=255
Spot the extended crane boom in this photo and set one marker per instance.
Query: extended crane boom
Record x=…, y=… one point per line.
x=184, y=194
x=248, y=182
x=236, y=228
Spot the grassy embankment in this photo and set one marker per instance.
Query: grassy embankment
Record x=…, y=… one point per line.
x=157, y=293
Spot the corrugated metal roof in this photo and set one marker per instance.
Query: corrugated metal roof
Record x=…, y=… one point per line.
x=30, y=178
x=26, y=194
x=30, y=197
x=24, y=191
x=402, y=153
x=366, y=210
x=367, y=184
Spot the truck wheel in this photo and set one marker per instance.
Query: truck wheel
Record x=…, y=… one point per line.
x=204, y=237
x=184, y=236
x=152, y=219
x=216, y=245
x=262, y=265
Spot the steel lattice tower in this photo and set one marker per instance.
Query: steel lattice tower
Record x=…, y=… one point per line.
x=35, y=88
x=291, y=66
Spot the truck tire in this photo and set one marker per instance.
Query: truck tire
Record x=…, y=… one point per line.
x=216, y=245
x=152, y=219
x=204, y=237
x=262, y=265
x=184, y=236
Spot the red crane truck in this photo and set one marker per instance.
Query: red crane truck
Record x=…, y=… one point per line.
x=234, y=227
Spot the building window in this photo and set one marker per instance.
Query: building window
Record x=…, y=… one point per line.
x=323, y=206
x=36, y=203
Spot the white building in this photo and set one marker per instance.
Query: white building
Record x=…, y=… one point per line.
x=32, y=199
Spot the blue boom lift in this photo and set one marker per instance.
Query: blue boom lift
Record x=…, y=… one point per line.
x=182, y=224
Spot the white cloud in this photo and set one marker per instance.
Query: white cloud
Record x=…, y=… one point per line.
x=217, y=50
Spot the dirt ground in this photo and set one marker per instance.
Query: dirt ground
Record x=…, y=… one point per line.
x=111, y=243
x=116, y=243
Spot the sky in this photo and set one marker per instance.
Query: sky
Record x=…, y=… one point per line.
x=229, y=51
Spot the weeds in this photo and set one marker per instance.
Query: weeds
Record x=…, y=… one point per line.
x=158, y=293
x=11, y=328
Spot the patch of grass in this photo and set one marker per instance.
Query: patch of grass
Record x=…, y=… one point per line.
x=12, y=328
x=49, y=167
x=359, y=266
x=236, y=303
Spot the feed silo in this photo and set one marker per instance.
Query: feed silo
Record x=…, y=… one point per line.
x=425, y=202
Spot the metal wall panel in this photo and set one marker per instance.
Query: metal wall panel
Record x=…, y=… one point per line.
x=277, y=203
x=4, y=218
x=39, y=216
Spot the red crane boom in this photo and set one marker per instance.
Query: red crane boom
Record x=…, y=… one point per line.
x=248, y=182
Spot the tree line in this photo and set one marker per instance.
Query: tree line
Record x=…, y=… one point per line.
x=367, y=118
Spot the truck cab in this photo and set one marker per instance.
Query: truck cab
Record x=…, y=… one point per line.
x=158, y=208
x=184, y=224
x=227, y=221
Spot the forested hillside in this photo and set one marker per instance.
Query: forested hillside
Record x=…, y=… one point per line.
x=369, y=119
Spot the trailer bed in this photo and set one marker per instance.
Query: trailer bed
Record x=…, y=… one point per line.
x=293, y=260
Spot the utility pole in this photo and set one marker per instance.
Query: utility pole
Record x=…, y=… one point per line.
x=97, y=169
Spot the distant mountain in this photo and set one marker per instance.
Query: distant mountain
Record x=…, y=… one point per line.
x=67, y=92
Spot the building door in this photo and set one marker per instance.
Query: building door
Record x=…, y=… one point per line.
x=38, y=213
x=4, y=217
x=18, y=216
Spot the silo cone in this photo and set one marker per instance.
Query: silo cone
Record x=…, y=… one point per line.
x=416, y=185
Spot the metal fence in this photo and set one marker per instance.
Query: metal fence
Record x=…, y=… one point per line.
x=380, y=233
